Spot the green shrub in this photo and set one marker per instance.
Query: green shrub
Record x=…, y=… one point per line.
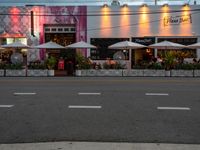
x=37, y=66
x=14, y=66
x=139, y=67
x=185, y=66
x=51, y=62
x=169, y=60
x=197, y=66
x=156, y=66
x=82, y=62
x=2, y=66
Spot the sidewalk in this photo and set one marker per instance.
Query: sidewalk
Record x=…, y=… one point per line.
x=97, y=146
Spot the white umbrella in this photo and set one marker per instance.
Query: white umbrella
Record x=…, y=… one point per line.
x=49, y=45
x=17, y=57
x=196, y=45
x=80, y=45
x=167, y=45
x=16, y=45
x=126, y=45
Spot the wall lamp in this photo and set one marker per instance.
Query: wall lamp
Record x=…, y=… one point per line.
x=165, y=5
x=186, y=5
x=144, y=5
x=125, y=5
x=105, y=5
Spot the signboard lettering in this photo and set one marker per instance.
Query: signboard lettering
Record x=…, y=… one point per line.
x=170, y=20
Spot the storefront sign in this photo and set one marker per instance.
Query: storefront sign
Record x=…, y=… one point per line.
x=144, y=41
x=170, y=20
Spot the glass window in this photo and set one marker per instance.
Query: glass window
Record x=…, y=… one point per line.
x=72, y=29
x=47, y=29
x=60, y=29
x=53, y=29
x=102, y=52
x=66, y=29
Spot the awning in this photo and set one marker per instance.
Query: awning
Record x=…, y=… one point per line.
x=12, y=35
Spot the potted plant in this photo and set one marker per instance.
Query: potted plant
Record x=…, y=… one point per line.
x=169, y=62
x=51, y=63
x=82, y=65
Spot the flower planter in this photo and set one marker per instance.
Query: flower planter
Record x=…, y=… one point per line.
x=182, y=73
x=37, y=72
x=196, y=73
x=133, y=72
x=138, y=72
x=1, y=72
x=109, y=72
x=154, y=73
x=99, y=72
x=15, y=72
x=91, y=72
x=167, y=73
x=50, y=73
x=81, y=72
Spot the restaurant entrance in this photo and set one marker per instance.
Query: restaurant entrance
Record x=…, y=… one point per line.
x=63, y=35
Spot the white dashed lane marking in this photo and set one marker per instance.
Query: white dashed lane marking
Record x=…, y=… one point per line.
x=157, y=94
x=89, y=93
x=17, y=93
x=173, y=108
x=6, y=106
x=84, y=107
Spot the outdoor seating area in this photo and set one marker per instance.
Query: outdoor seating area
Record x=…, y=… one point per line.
x=170, y=60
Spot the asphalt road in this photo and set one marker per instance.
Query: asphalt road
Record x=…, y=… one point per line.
x=160, y=110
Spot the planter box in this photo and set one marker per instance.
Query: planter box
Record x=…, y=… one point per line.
x=181, y=73
x=154, y=73
x=1, y=72
x=37, y=72
x=167, y=73
x=50, y=73
x=100, y=72
x=109, y=72
x=134, y=72
x=196, y=73
x=91, y=72
x=81, y=72
x=15, y=73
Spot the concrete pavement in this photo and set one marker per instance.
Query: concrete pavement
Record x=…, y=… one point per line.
x=97, y=146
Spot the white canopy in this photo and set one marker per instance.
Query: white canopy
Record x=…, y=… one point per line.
x=49, y=45
x=167, y=45
x=196, y=45
x=17, y=45
x=126, y=45
x=80, y=45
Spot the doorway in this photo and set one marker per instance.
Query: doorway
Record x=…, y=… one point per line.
x=64, y=36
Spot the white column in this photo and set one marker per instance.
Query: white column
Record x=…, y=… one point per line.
x=155, y=50
x=130, y=58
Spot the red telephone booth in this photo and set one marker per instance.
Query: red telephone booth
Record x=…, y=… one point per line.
x=61, y=64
